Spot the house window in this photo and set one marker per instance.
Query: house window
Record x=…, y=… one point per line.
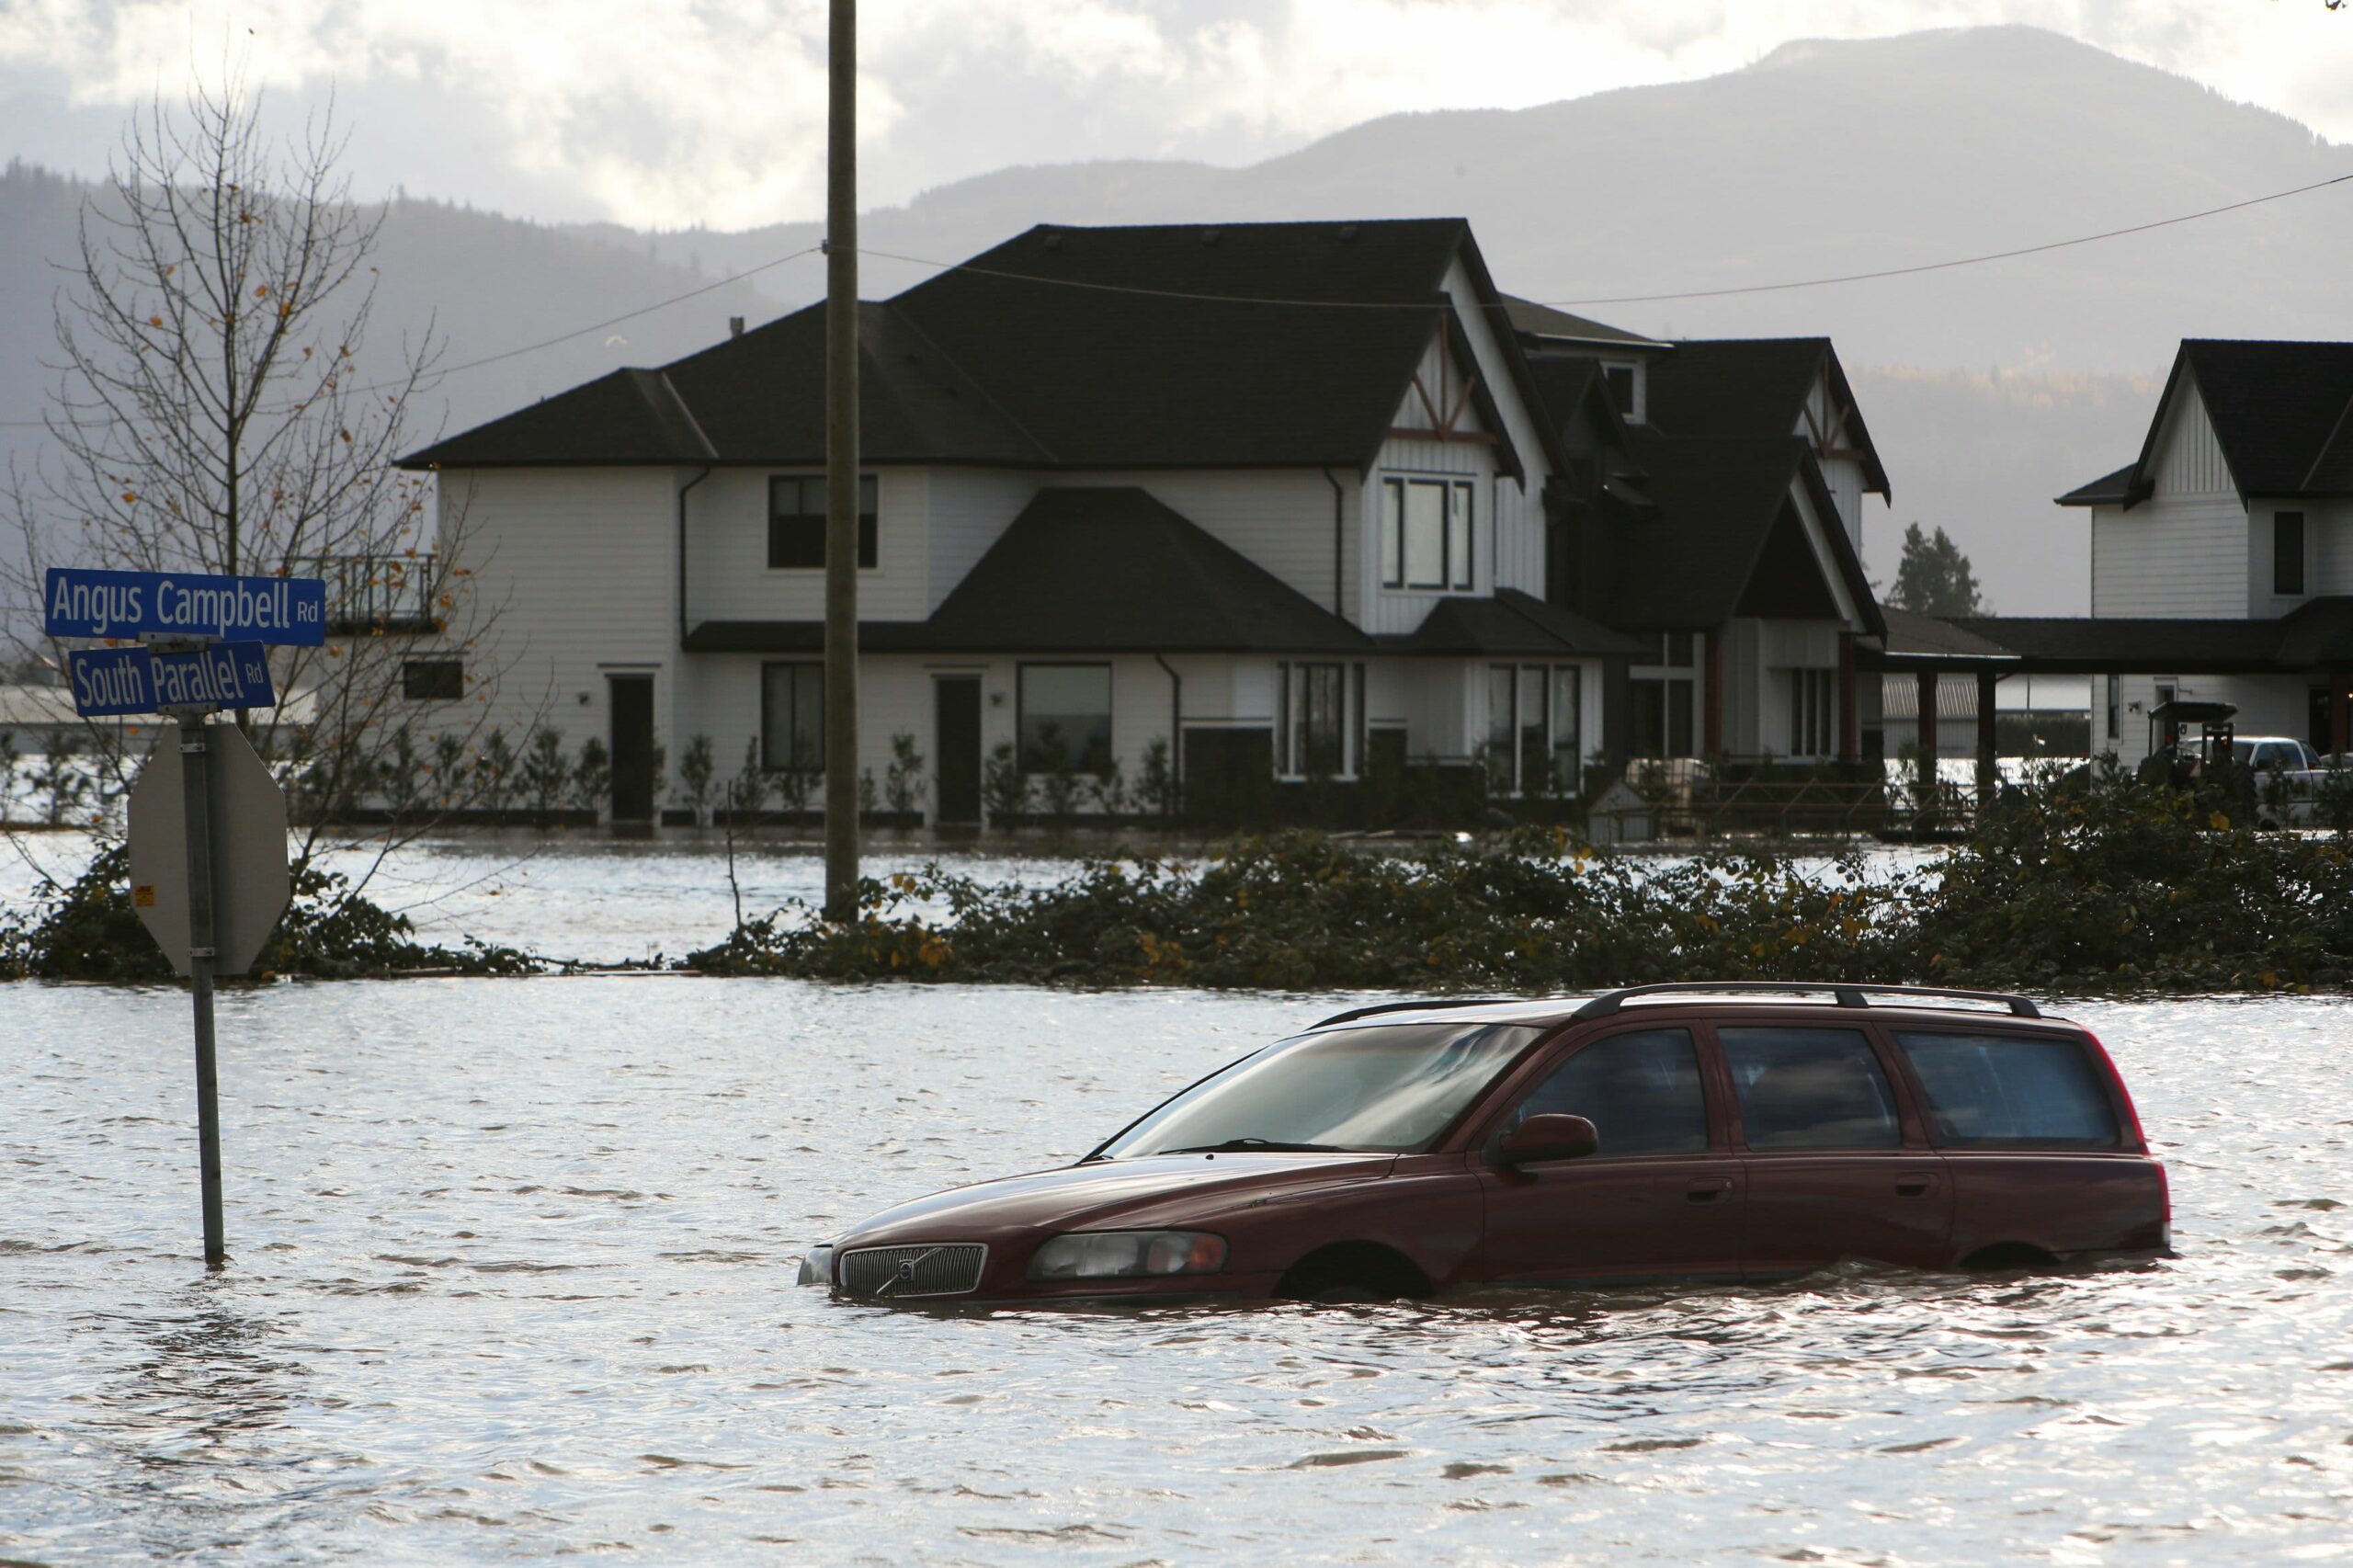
x=1065, y=724
x=1568, y=728
x=1659, y=708
x=2287, y=553
x=433, y=680
x=797, y=521
x=1814, y=709
x=1621, y=387
x=2115, y=708
x=792, y=718
x=1426, y=533
x=1660, y=697
x=1533, y=744
x=1313, y=702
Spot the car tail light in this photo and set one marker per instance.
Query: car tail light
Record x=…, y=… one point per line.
x=2123, y=1098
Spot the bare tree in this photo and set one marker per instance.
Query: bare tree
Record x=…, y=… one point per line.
x=211, y=414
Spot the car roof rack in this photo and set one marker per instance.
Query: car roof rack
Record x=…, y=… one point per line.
x=1847, y=994
x=1424, y=1005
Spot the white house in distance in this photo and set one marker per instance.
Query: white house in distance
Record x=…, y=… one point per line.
x=2221, y=557
x=1269, y=503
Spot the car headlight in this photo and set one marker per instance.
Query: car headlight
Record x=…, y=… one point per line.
x=1128, y=1254
x=817, y=1267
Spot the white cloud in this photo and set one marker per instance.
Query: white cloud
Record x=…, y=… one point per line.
x=713, y=112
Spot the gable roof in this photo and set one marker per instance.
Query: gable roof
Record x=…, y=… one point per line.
x=1725, y=512
x=1093, y=570
x=1753, y=388
x=1535, y=319
x=1512, y=622
x=2282, y=411
x=1250, y=344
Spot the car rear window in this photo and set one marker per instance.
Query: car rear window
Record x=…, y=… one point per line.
x=1990, y=1091
x=1803, y=1089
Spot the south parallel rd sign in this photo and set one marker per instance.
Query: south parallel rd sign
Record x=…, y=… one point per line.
x=290, y=611
x=112, y=682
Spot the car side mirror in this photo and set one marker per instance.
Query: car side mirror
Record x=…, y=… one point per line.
x=1549, y=1137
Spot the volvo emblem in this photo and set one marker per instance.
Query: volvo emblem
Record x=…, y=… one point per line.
x=907, y=1271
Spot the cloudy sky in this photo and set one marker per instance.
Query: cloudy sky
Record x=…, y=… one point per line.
x=675, y=112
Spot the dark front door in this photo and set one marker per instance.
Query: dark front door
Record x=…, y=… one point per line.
x=1831, y=1170
x=1661, y=1197
x=955, y=736
x=631, y=702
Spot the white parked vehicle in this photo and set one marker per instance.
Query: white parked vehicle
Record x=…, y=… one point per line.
x=2288, y=777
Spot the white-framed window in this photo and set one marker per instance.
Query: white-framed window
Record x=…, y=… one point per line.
x=1064, y=719
x=1535, y=729
x=1813, y=712
x=1425, y=532
x=1318, y=707
x=793, y=717
x=1662, y=695
x=797, y=522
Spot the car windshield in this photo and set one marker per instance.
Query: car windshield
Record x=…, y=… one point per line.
x=1390, y=1088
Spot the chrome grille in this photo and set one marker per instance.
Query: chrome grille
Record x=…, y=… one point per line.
x=901, y=1274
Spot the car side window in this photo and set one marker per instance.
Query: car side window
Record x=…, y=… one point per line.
x=1641, y=1091
x=1810, y=1088
x=2008, y=1092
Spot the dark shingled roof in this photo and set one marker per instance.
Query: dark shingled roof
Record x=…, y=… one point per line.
x=1725, y=529
x=2316, y=634
x=1064, y=347
x=1928, y=636
x=1089, y=570
x=1511, y=623
x=2282, y=410
x=1536, y=319
x=1753, y=388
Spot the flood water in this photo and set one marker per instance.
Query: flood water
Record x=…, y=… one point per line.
x=512, y=1280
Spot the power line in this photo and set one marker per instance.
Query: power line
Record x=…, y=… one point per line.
x=946, y=266
x=1957, y=261
x=527, y=347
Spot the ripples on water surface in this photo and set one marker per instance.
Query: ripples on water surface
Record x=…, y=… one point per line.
x=512, y=1280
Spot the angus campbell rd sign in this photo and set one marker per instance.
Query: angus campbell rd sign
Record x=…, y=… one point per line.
x=207, y=823
x=284, y=610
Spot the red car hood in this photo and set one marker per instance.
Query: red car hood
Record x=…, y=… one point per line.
x=1164, y=1189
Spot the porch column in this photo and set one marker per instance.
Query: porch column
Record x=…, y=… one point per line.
x=1850, y=736
x=1927, y=742
x=1712, y=701
x=2338, y=739
x=1989, y=777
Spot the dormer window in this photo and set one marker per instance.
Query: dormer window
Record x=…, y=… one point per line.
x=2287, y=553
x=1426, y=533
x=1624, y=378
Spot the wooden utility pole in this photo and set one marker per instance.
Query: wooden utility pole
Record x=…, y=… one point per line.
x=841, y=469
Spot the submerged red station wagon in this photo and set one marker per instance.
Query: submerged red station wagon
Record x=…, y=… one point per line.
x=1683, y=1132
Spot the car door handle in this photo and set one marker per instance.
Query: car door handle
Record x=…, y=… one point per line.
x=1911, y=1185
x=1708, y=1190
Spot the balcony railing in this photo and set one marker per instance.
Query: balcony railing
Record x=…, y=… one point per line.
x=377, y=592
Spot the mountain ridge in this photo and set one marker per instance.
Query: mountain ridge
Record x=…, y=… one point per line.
x=1822, y=158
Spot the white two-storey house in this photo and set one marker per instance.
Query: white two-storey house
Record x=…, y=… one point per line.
x=1255, y=506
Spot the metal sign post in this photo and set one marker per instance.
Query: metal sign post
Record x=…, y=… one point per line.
x=195, y=796
x=208, y=879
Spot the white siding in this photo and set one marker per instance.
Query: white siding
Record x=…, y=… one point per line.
x=2328, y=533
x=728, y=576
x=970, y=510
x=2170, y=556
x=578, y=569
x=2190, y=458
x=1280, y=518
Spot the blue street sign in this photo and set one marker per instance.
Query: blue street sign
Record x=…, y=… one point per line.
x=112, y=682
x=288, y=611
